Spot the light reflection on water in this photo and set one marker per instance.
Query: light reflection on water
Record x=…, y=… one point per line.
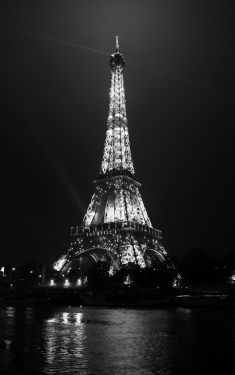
x=86, y=341
x=64, y=342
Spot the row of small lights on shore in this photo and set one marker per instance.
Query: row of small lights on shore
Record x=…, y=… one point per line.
x=66, y=283
x=2, y=270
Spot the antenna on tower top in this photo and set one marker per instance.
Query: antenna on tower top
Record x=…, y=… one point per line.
x=117, y=45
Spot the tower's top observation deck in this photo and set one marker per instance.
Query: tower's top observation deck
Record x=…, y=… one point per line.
x=116, y=59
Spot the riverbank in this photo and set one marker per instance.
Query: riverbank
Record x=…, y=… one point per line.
x=122, y=297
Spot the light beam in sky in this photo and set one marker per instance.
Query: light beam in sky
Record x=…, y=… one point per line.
x=82, y=46
x=35, y=127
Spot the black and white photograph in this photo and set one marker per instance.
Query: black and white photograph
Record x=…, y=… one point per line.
x=117, y=122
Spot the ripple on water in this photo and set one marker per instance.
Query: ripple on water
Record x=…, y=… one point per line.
x=85, y=341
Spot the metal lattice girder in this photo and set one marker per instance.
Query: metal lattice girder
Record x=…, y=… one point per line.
x=116, y=199
x=118, y=249
x=117, y=151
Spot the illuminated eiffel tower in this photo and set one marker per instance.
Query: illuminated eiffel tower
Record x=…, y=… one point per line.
x=116, y=228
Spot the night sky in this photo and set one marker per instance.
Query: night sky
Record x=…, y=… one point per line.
x=54, y=105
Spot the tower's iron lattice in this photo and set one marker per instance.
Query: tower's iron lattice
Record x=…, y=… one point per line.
x=116, y=228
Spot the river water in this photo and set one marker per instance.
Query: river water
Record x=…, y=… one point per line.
x=86, y=341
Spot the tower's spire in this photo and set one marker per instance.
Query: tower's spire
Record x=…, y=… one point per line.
x=116, y=59
x=117, y=44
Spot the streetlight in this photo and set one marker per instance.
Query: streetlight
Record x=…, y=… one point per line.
x=66, y=283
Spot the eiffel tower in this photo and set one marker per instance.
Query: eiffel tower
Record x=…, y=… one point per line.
x=116, y=228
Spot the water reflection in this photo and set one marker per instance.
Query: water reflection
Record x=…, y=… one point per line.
x=7, y=337
x=45, y=340
x=64, y=342
x=96, y=340
x=10, y=312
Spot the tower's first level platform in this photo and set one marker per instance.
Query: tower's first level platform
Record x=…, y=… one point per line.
x=114, y=244
x=113, y=228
